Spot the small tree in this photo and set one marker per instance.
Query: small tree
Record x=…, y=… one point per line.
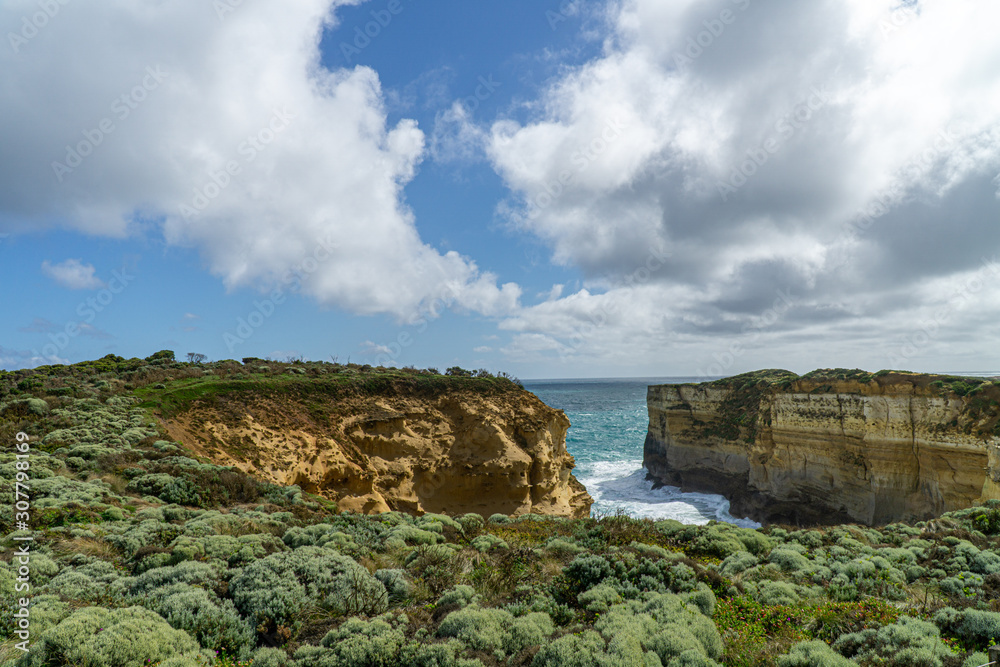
x=196, y=358
x=458, y=371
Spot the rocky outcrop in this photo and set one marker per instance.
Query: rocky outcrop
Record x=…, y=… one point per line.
x=452, y=452
x=831, y=446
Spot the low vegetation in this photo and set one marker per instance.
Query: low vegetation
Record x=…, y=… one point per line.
x=134, y=538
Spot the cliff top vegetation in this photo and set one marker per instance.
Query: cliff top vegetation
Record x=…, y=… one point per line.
x=784, y=379
x=209, y=566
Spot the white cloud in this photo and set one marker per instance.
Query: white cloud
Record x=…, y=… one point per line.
x=456, y=138
x=830, y=109
x=163, y=97
x=73, y=274
x=482, y=349
x=373, y=348
x=15, y=359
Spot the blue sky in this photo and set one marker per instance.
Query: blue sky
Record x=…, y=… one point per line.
x=572, y=189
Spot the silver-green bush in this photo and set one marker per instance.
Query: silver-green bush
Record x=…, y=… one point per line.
x=277, y=588
x=108, y=638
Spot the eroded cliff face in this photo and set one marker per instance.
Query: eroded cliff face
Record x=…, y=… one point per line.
x=452, y=453
x=829, y=450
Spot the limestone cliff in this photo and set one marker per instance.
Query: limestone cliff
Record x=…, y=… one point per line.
x=452, y=452
x=829, y=447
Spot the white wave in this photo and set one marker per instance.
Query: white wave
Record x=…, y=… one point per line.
x=622, y=486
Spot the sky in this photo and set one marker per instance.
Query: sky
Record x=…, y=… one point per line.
x=586, y=188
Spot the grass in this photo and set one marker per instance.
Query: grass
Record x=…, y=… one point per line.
x=178, y=396
x=756, y=634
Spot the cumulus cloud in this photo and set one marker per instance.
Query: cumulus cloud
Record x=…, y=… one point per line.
x=845, y=152
x=373, y=348
x=73, y=274
x=227, y=134
x=11, y=359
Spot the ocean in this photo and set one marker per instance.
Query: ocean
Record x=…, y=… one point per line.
x=609, y=422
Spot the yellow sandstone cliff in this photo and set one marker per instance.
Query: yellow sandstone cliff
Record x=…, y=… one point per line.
x=831, y=446
x=452, y=452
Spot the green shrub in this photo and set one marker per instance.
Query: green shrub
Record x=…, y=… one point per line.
x=562, y=548
x=665, y=625
x=461, y=595
x=113, y=514
x=986, y=563
x=907, y=642
x=496, y=630
x=187, y=572
x=589, y=570
x=354, y=534
x=586, y=649
x=703, y=599
x=269, y=657
x=965, y=584
x=170, y=489
x=471, y=523
x=396, y=584
x=484, y=543
x=357, y=643
x=718, y=541
x=789, y=560
x=235, y=551
x=427, y=521
x=654, y=551
x=274, y=590
x=87, y=582
x=599, y=599
x=775, y=593
x=97, y=636
x=25, y=406
x=813, y=654
x=446, y=654
x=978, y=629
x=46, y=612
x=976, y=659
x=811, y=539
x=415, y=536
x=737, y=563
x=899, y=556
x=213, y=622
x=128, y=538
x=435, y=565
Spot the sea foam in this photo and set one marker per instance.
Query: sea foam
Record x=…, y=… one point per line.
x=608, y=429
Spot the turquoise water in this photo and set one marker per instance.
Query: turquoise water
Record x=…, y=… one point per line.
x=609, y=422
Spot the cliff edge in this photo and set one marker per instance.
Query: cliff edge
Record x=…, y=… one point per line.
x=443, y=445
x=832, y=446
